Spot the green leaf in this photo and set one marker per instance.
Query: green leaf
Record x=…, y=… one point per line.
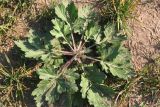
x=112, y=52
x=55, y=48
x=34, y=46
x=72, y=12
x=65, y=2
x=84, y=11
x=57, y=62
x=104, y=90
x=92, y=31
x=52, y=95
x=47, y=73
x=34, y=40
x=85, y=85
x=21, y=45
x=61, y=30
x=120, y=65
x=52, y=85
x=94, y=74
x=58, y=24
x=72, y=76
x=66, y=30
x=57, y=32
x=99, y=96
x=60, y=11
x=104, y=67
x=61, y=87
x=119, y=71
x=78, y=25
x=109, y=32
x=55, y=44
x=30, y=53
x=39, y=92
x=34, y=53
x=92, y=88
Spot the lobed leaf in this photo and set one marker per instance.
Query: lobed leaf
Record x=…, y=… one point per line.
x=61, y=12
x=99, y=96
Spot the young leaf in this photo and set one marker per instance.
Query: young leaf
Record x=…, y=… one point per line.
x=78, y=25
x=60, y=11
x=92, y=31
x=60, y=29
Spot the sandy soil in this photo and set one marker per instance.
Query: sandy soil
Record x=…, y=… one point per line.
x=145, y=40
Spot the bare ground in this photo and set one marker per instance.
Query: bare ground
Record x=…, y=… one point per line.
x=144, y=42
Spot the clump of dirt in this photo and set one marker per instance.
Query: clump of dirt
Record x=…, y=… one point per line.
x=145, y=40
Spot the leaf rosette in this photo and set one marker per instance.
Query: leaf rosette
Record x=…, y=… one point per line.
x=78, y=57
